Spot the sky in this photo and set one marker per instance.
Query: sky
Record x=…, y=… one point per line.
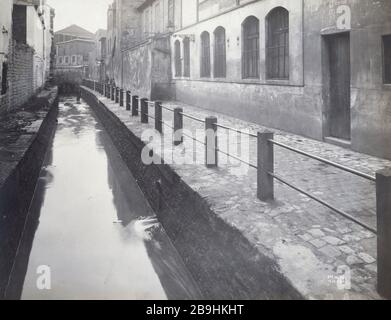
x=88, y=14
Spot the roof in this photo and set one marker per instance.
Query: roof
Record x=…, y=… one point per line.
x=76, y=40
x=101, y=33
x=76, y=31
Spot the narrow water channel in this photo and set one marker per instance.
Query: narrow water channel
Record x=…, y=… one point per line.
x=90, y=229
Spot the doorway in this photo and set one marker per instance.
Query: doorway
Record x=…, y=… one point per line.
x=339, y=117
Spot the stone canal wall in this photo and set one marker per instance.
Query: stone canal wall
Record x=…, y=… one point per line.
x=25, y=135
x=222, y=261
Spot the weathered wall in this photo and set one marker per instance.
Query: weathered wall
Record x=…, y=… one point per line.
x=71, y=76
x=147, y=69
x=370, y=98
x=279, y=104
x=137, y=65
x=35, y=39
x=123, y=32
x=21, y=75
x=78, y=48
x=161, y=86
x=299, y=105
x=5, y=40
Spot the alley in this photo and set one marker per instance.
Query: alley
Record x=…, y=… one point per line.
x=103, y=241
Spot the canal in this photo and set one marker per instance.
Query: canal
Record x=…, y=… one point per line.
x=90, y=233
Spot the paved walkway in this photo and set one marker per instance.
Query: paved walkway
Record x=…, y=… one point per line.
x=313, y=246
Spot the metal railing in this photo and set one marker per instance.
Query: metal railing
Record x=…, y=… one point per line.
x=265, y=167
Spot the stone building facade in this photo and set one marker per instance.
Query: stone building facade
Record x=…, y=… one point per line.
x=96, y=63
x=25, y=50
x=316, y=68
x=73, y=46
x=72, y=32
x=138, y=50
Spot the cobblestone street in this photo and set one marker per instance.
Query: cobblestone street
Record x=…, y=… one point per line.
x=311, y=242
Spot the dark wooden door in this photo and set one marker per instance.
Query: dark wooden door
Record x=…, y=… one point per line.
x=339, y=120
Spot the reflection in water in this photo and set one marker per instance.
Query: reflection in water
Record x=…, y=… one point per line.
x=90, y=223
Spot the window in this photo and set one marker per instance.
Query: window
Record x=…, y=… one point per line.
x=186, y=57
x=178, y=62
x=387, y=59
x=205, y=54
x=250, y=50
x=66, y=60
x=277, y=44
x=4, y=78
x=220, y=53
x=73, y=59
x=60, y=60
x=170, y=13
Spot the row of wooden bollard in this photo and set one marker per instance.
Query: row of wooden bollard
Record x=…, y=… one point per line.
x=265, y=169
x=140, y=107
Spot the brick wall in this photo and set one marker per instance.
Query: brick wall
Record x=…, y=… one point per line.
x=21, y=74
x=4, y=102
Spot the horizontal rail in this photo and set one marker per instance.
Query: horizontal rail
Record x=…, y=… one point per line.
x=196, y=140
x=168, y=109
x=192, y=118
x=237, y=130
x=237, y=158
x=331, y=163
x=326, y=204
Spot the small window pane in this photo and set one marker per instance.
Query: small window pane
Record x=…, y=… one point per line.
x=178, y=63
x=205, y=55
x=277, y=45
x=220, y=53
x=186, y=57
x=250, y=50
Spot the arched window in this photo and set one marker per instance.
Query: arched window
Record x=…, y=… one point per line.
x=178, y=62
x=205, y=54
x=277, y=44
x=220, y=53
x=186, y=57
x=250, y=49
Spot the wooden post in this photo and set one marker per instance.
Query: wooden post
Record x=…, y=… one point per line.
x=265, y=165
x=158, y=117
x=211, y=153
x=128, y=102
x=178, y=126
x=112, y=93
x=144, y=111
x=383, y=213
x=116, y=95
x=135, y=106
x=121, y=98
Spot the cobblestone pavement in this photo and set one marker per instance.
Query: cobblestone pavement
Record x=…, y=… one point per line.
x=316, y=249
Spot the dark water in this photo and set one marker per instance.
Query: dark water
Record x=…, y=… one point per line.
x=90, y=226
